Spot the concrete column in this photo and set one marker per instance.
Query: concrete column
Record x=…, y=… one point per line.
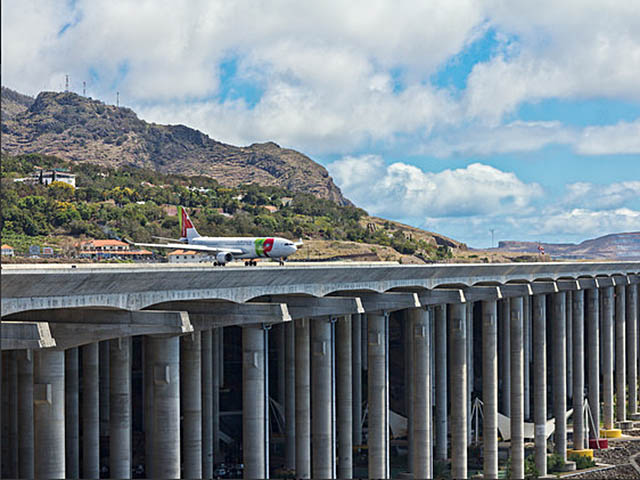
x=104, y=388
x=90, y=412
x=303, y=399
x=504, y=305
x=593, y=357
x=149, y=383
x=607, y=357
x=469, y=327
x=164, y=355
x=559, y=325
x=343, y=398
x=378, y=441
x=517, y=388
x=206, y=364
x=12, y=426
x=25, y=414
x=440, y=334
x=621, y=381
x=526, y=305
x=540, y=382
x=578, y=369
x=356, y=372
x=48, y=396
x=322, y=393
x=290, y=397
x=221, y=354
x=422, y=463
x=569, y=354
x=632, y=346
x=253, y=402
x=458, y=371
x=191, y=405
x=407, y=320
x=71, y=413
x=120, y=408
x=216, y=381
x=279, y=335
x=365, y=343
x=490, y=387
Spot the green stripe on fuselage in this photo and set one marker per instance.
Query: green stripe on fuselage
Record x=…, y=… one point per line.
x=259, y=243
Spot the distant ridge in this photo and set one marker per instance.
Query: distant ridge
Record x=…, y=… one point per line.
x=618, y=246
x=81, y=129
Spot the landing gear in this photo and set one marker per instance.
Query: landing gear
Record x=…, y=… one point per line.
x=281, y=262
x=250, y=263
x=218, y=264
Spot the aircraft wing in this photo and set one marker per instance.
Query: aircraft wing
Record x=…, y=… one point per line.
x=189, y=246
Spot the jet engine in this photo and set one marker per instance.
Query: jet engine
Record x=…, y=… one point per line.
x=224, y=257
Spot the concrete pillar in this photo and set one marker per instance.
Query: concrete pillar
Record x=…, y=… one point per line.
x=216, y=382
x=149, y=383
x=526, y=305
x=206, y=364
x=71, y=413
x=490, y=387
x=48, y=396
x=12, y=427
x=279, y=335
x=504, y=305
x=540, y=382
x=104, y=388
x=90, y=411
x=407, y=320
x=440, y=334
x=322, y=465
x=191, y=405
x=517, y=388
x=621, y=381
x=253, y=402
x=578, y=369
x=569, y=346
x=458, y=372
x=221, y=354
x=344, y=416
x=607, y=357
x=120, y=408
x=356, y=372
x=632, y=346
x=378, y=441
x=290, y=397
x=559, y=372
x=593, y=357
x=164, y=355
x=303, y=399
x=422, y=462
x=25, y=414
x=365, y=343
x=469, y=317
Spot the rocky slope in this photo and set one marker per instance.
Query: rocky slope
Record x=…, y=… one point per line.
x=81, y=129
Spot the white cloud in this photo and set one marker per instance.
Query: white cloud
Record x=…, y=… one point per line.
x=624, y=137
x=614, y=195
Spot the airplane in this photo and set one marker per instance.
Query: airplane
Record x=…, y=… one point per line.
x=227, y=249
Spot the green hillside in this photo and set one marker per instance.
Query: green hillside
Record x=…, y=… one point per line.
x=138, y=204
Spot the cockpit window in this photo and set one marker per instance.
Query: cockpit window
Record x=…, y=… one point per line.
x=288, y=244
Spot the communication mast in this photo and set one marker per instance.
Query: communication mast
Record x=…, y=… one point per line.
x=84, y=89
x=66, y=83
x=117, y=99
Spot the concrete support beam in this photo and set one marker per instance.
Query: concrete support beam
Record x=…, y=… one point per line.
x=422, y=462
x=440, y=360
x=164, y=355
x=517, y=388
x=356, y=375
x=505, y=341
x=90, y=412
x=343, y=397
x=191, y=404
x=25, y=414
x=442, y=296
x=578, y=369
x=607, y=357
x=620, y=361
x=388, y=302
x=303, y=399
x=206, y=364
x=205, y=315
x=378, y=395
x=306, y=307
x=559, y=372
x=290, y=396
x=490, y=387
x=540, y=382
x=323, y=416
x=48, y=396
x=632, y=346
x=26, y=336
x=593, y=358
x=120, y=408
x=254, y=409
x=458, y=371
x=71, y=413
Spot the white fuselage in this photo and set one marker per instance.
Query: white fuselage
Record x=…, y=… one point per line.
x=251, y=247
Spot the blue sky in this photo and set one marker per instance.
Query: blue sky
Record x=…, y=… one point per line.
x=458, y=116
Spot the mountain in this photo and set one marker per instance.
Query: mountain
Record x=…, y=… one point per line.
x=81, y=129
x=618, y=246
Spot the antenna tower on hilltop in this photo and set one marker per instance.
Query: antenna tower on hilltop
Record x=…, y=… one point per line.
x=84, y=89
x=492, y=231
x=66, y=83
x=117, y=99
